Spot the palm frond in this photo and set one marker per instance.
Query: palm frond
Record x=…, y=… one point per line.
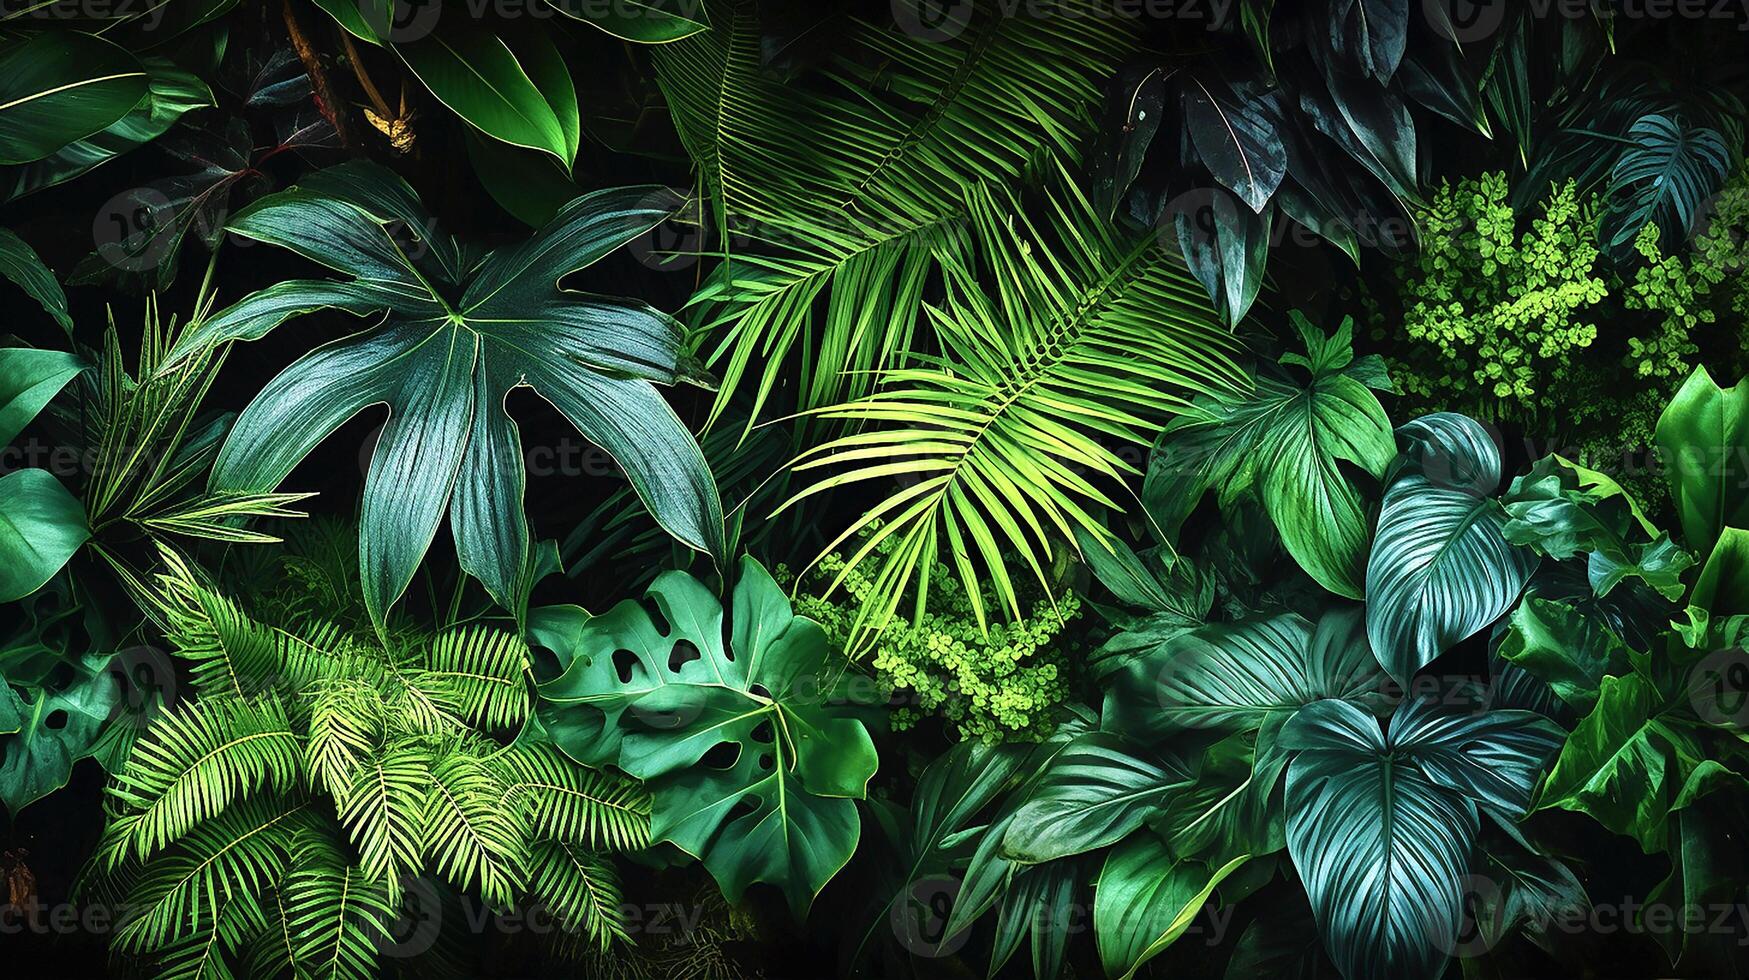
x=348, y=722
x=999, y=446
x=381, y=809
x=857, y=188
x=479, y=673
x=229, y=652
x=581, y=891
x=574, y=804
x=220, y=869
x=338, y=915
x=197, y=761
x=471, y=837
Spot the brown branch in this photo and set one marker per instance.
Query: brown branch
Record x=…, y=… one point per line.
x=327, y=103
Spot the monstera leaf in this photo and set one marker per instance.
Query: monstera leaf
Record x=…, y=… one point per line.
x=1441, y=567
x=47, y=725
x=1382, y=827
x=1242, y=675
x=461, y=332
x=1285, y=439
x=751, y=765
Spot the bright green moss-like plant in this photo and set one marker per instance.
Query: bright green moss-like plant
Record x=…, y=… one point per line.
x=999, y=686
x=1519, y=318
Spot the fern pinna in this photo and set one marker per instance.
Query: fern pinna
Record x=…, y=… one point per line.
x=322, y=782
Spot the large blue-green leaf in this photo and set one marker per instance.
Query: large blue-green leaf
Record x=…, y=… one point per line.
x=1241, y=676
x=460, y=333
x=1441, y=568
x=1381, y=848
x=1093, y=793
x=1665, y=177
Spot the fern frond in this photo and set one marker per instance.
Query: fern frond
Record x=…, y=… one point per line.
x=471, y=837
x=229, y=652
x=860, y=185
x=575, y=804
x=338, y=915
x=478, y=672
x=348, y=722
x=235, y=857
x=580, y=889
x=999, y=445
x=203, y=955
x=381, y=809
x=196, y=761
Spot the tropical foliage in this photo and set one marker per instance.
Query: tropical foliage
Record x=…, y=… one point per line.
x=932, y=489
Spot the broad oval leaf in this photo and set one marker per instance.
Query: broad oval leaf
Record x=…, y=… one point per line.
x=41, y=527
x=1625, y=762
x=1703, y=443
x=643, y=21
x=1382, y=849
x=1093, y=793
x=1146, y=899
x=61, y=86
x=29, y=379
x=480, y=78
x=1441, y=568
x=1234, y=130
x=1285, y=438
x=1241, y=676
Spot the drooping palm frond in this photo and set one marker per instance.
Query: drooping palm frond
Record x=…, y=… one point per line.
x=213, y=876
x=998, y=447
x=197, y=761
x=381, y=809
x=569, y=803
x=470, y=836
x=855, y=191
x=347, y=723
x=337, y=914
x=230, y=653
x=581, y=891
